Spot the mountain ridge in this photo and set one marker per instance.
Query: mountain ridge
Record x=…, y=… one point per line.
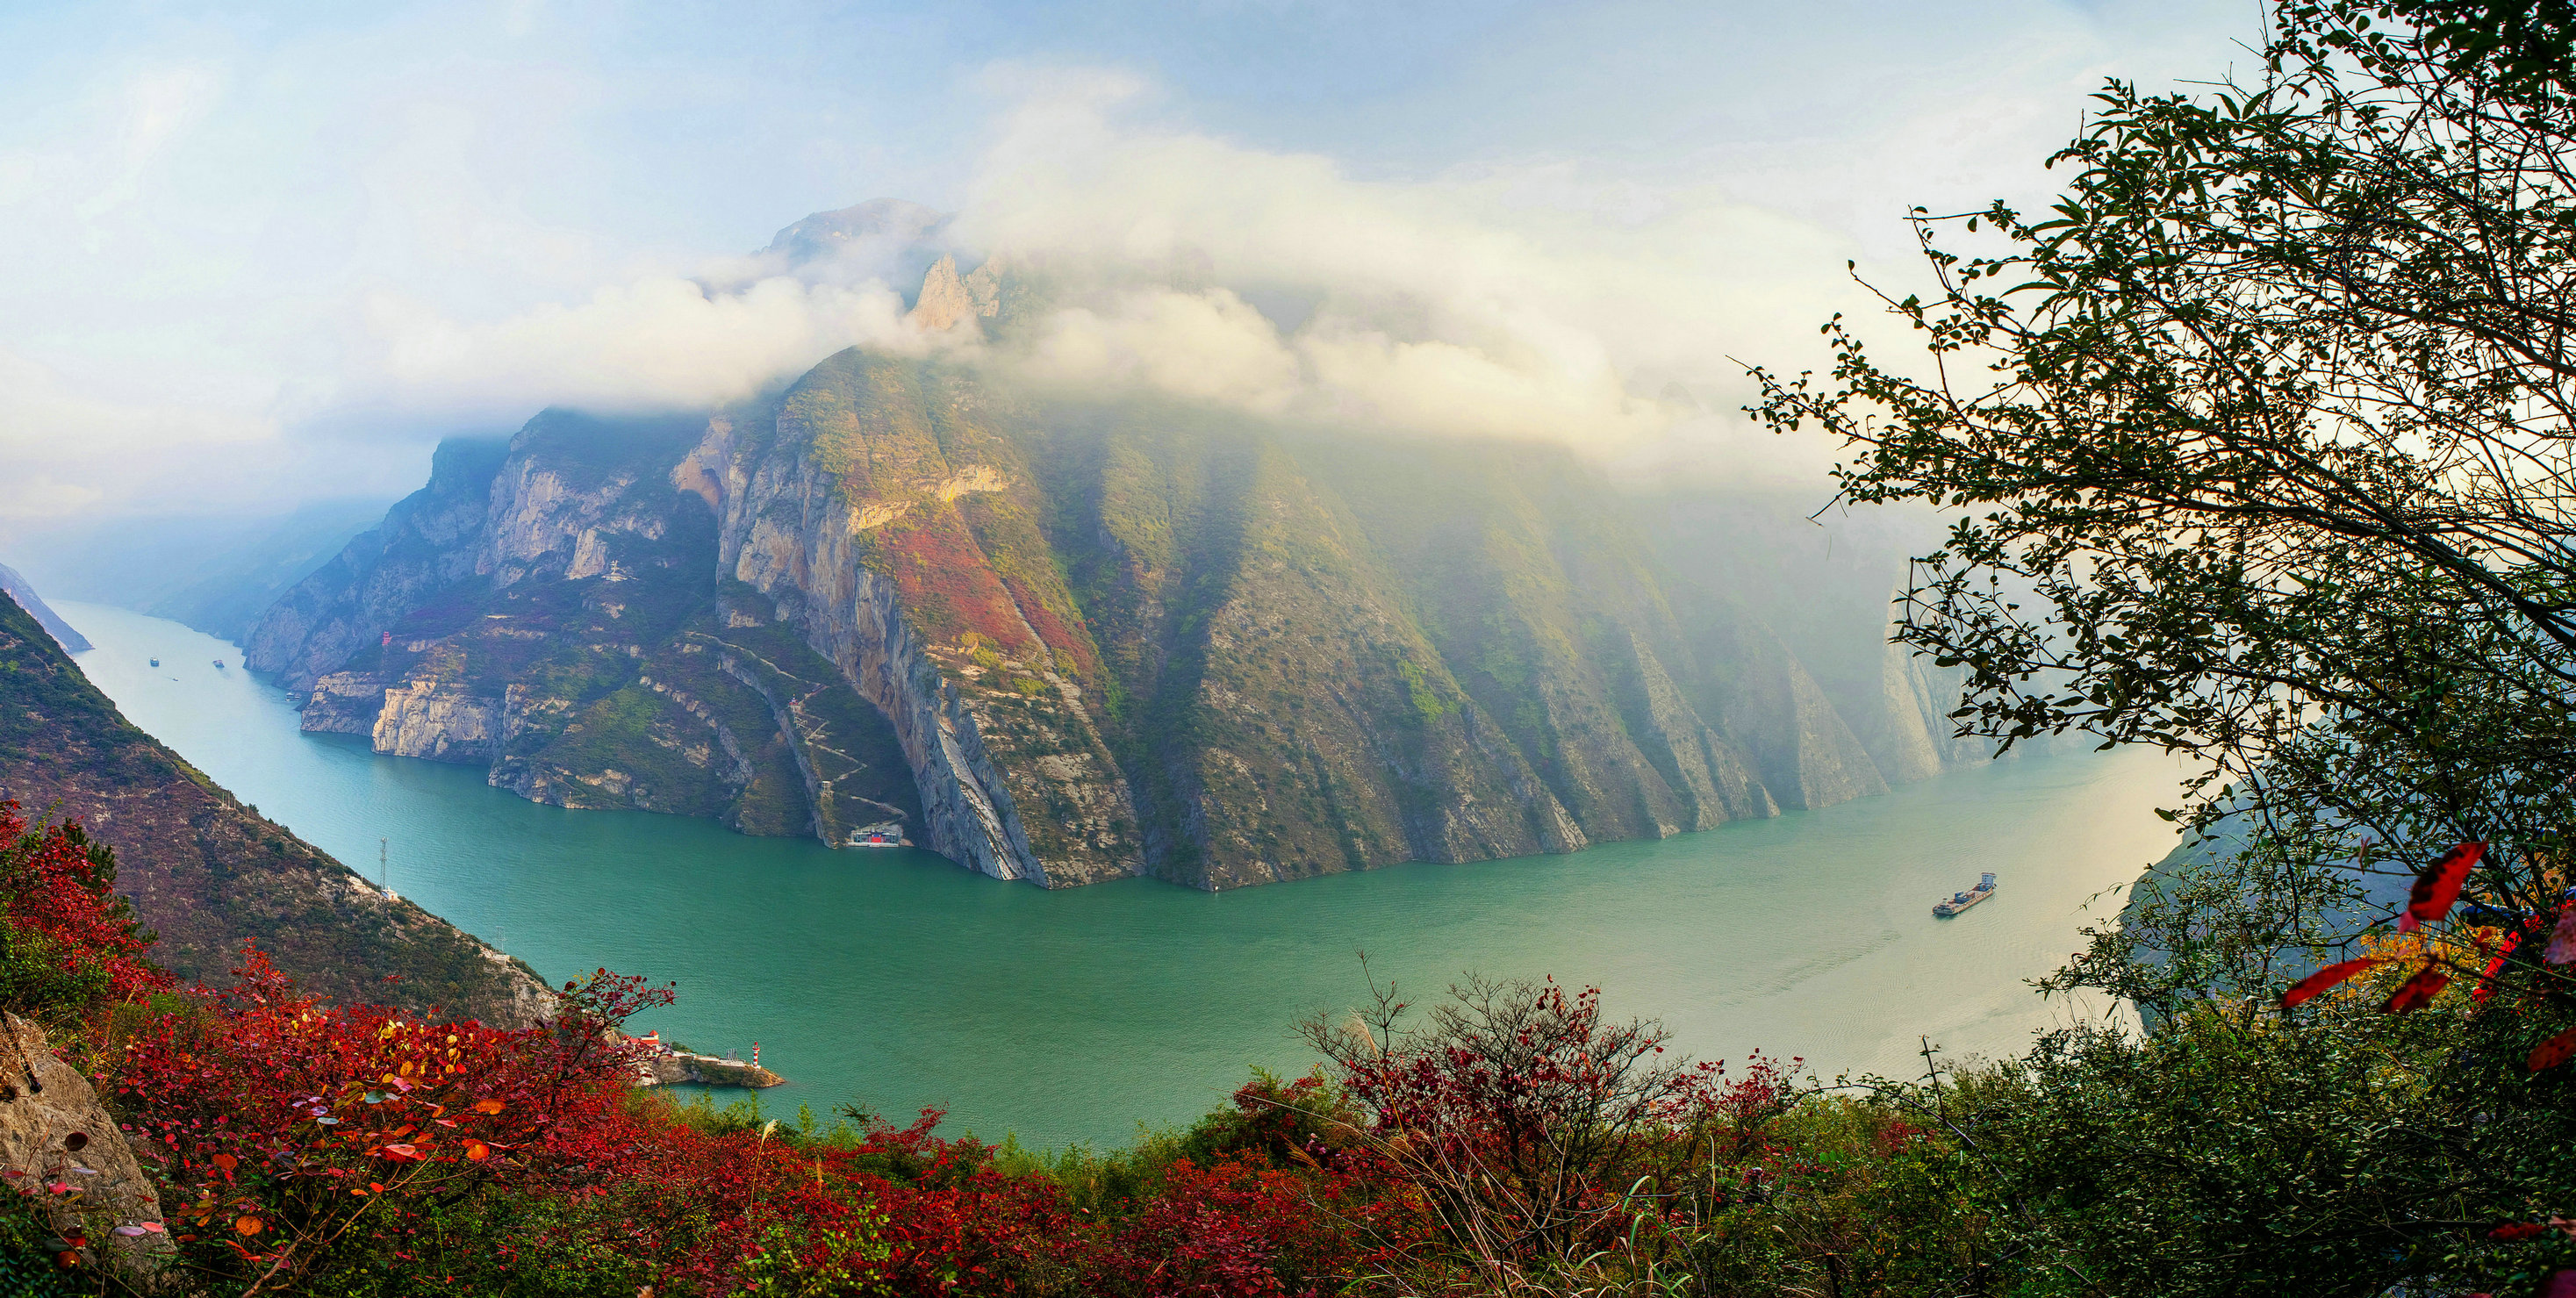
x=1067, y=641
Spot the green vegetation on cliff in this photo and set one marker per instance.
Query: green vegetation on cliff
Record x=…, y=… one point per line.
x=1072, y=642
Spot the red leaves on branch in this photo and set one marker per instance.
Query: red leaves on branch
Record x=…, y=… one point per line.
x=2417, y=992
x=56, y=884
x=2438, y=887
x=290, y=1118
x=2308, y=988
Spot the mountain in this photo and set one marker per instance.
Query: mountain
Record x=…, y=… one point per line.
x=17, y=588
x=216, y=573
x=1068, y=642
x=207, y=873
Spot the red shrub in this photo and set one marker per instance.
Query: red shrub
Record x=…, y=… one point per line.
x=285, y=1124
x=56, y=884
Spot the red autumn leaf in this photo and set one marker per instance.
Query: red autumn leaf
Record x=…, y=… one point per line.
x=2418, y=991
x=2439, y=886
x=2553, y=1052
x=2306, y=989
x=2503, y=952
x=225, y=1161
x=477, y=1150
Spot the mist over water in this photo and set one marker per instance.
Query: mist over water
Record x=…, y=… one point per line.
x=900, y=980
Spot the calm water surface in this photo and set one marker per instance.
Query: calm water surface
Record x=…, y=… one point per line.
x=901, y=980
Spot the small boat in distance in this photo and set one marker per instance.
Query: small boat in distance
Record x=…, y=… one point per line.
x=219, y=664
x=156, y=662
x=1961, y=901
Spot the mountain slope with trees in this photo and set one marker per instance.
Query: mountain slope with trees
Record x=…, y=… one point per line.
x=208, y=874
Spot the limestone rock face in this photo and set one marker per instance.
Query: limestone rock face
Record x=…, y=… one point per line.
x=1065, y=643
x=54, y=1131
x=344, y=703
x=421, y=550
x=439, y=722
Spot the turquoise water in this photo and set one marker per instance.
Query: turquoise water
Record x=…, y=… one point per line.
x=900, y=980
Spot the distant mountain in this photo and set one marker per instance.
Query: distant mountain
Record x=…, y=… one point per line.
x=1066, y=642
x=216, y=573
x=18, y=588
x=207, y=873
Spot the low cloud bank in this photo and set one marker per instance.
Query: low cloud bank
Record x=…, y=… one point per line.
x=1524, y=304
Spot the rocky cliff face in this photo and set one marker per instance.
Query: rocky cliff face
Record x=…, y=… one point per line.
x=1066, y=644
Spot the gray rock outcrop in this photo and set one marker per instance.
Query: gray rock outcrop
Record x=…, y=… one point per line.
x=60, y=1146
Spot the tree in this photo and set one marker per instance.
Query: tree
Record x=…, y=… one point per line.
x=2264, y=438
x=2262, y=442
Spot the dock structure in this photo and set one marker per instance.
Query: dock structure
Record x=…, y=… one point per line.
x=657, y=1064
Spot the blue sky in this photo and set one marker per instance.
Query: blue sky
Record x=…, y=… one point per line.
x=251, y=254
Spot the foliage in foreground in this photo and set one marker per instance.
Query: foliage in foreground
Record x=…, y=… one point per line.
x=2272, y=474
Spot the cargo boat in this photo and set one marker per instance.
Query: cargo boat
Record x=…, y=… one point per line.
x=1961, y=901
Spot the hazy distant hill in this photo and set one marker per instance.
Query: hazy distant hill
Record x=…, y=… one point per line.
x=215, y=573
x=1068, y=643
x=207, y=873
x=17, y=588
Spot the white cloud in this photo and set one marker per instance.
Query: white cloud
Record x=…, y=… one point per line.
x=61, y=448
x=660, y=342
x=1208, y=346
x=42, y=496
x=1460, y=306
x=1537, y=303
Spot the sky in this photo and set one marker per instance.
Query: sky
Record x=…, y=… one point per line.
x=254, y=256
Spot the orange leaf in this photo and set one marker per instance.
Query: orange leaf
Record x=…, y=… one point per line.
x=478, y=1151
x=2307, y=988
x=489, y=1106
x=2553, y=1052
x=249, y=1225
x=226, y=1162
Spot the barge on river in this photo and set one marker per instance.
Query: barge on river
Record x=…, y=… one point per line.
x=1961, y=901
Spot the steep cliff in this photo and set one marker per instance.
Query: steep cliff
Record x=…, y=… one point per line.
x=207, y=873
x=1067, y=643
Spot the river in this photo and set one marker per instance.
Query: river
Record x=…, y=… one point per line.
x=899, y=980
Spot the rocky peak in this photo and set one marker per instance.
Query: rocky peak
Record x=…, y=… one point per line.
x=825, y=235
x=947, y=298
